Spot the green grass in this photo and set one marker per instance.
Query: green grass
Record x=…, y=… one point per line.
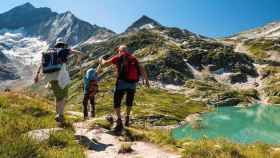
x=20, y=114
x=274, y=99
x=225, y=149
x=125, y=148
x=272, y=88
x=259, y=48
x=171, y=108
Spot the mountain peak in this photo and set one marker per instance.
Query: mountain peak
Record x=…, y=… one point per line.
x=144, y=22
x=26, y=6
x=68, y=13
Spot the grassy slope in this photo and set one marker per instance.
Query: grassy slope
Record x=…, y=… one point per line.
x=259, y=48
x=170, y=108
x=20, y=114
x=272, y=85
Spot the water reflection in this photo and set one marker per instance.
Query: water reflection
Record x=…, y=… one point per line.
x=242, y=125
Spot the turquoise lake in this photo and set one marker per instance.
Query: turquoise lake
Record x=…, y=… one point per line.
x=258, y=123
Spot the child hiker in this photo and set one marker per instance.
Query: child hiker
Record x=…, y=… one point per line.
x=91, y=79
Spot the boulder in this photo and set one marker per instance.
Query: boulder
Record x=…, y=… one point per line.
x=238, y=78
x=42, y=134
x=192, y=118
x=227, y=102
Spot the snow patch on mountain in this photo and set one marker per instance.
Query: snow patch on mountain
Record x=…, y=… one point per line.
x=24, y=54
x=26, y=50
x=147, y=26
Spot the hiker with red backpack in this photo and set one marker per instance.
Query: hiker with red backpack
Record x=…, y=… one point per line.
x=129, y=71
x=54, y=71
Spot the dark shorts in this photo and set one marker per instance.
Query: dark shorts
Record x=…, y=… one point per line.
x=119, y=94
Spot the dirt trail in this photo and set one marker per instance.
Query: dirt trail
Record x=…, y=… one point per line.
x=101, y=144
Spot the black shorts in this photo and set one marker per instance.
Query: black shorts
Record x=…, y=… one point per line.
x=118, y=96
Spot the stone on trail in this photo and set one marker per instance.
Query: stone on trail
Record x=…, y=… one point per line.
x=74, y=113
x=42, y=134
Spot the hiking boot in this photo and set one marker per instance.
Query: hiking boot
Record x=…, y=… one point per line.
x=59, y=118
x=86, y=118
x=127, y=121
x=110, y=119
x=93, y=113
x=119, y=126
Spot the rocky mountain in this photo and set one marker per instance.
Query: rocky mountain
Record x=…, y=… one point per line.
x=3, y=58
x=262, y=44
x=206, y=69
x=7, y=70
x=171, y=54
x=49, y=25
x=144, y=22
x=269, y=31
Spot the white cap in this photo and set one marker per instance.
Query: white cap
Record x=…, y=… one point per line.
x=60, y=41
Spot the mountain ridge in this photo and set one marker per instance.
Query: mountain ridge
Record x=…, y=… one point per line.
x=49, y=25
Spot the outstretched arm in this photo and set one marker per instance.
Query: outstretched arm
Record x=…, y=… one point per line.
x=145, y=75
x=107, y=62
x=99, y=69
x=80, y=56
x=78, y=53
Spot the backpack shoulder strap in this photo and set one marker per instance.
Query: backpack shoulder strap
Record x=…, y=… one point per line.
x=122, y=59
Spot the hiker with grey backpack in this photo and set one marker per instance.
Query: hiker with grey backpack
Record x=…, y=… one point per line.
x=54, y=71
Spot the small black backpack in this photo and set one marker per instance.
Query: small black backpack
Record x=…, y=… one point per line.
x=53, y=59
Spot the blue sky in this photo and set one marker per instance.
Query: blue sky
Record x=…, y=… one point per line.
x=214, y=18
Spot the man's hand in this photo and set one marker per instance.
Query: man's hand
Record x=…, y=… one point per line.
x=36, y=79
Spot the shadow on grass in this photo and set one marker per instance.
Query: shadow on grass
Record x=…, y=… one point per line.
x=35, y=111
x=91, y=144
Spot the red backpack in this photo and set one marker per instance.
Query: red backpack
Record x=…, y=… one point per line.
x=128, y=67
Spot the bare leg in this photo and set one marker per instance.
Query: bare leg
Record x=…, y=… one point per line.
x=60, y=107
x=60, y=110
x=92, y=103
x=118, y=113
x=128, y=110
x=129, y=103
x=85, y=104
x=117, y=106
